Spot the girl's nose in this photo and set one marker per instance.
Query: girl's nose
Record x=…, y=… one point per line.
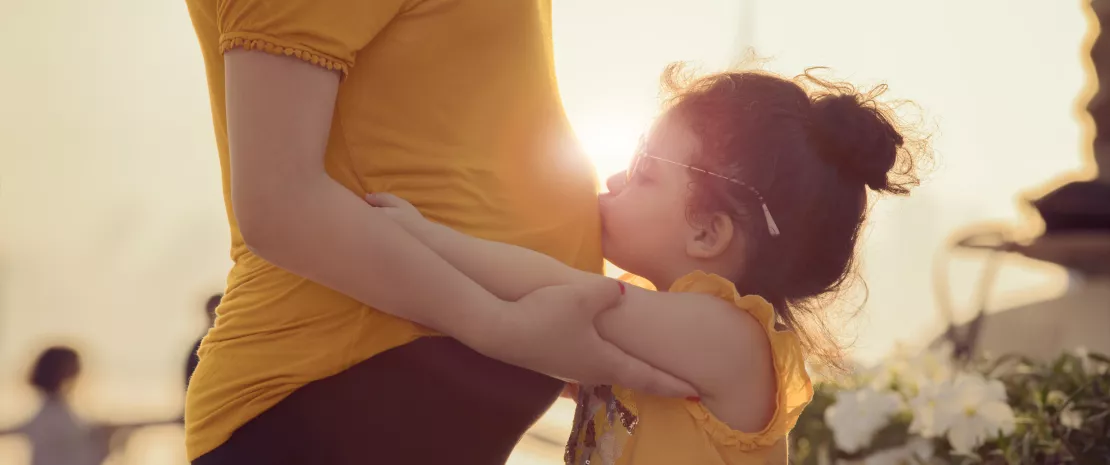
x=616, y=182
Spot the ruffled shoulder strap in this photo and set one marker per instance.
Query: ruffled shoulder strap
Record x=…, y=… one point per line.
x=795, y=389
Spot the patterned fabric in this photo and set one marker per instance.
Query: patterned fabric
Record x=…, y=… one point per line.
x=603, y=423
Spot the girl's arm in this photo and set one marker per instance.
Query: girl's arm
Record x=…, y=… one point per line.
x=509, y=272
x=696, y=337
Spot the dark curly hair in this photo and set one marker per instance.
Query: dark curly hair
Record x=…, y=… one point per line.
x=812, y=147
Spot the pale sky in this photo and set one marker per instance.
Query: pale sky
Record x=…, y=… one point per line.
x=112, y=229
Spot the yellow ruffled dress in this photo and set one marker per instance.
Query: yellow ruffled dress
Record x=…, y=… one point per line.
x=617, y=426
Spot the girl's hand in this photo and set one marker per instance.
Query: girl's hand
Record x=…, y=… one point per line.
x=398, y=209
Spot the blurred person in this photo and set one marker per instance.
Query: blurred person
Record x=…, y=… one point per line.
x=743, y=291
x=329, y=346
x=210, y=313
x=57, y=435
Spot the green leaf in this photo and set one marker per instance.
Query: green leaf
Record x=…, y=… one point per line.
x=1099, y=357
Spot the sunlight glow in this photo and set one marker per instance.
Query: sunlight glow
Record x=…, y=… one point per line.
x=609, y=142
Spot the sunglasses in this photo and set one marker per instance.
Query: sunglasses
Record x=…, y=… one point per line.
x=638, y=163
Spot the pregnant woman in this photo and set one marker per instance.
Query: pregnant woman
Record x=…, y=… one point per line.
x=327, y=347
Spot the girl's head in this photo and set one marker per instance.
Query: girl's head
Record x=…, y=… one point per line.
x=762, y=180
x=55, y=370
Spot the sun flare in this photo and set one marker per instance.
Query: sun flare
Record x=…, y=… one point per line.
x=609, y=142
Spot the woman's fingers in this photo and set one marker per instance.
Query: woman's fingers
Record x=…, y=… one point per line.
x=598, y=296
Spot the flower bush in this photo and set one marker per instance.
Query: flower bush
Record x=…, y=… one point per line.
x=925, y=408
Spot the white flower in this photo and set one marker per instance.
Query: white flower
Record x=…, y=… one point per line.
x=1090, y=365
x=931, y=367
x=906, y=371
x=1071, y=418
x=972, y=410
x=1056, y=398
x=917, y=451
x=895, y=367
x=856, y=416
x=924, y=408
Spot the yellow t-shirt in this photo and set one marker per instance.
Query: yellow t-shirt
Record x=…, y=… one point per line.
x=618, y=426
x=451, y=104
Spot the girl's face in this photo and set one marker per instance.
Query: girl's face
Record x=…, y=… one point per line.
x=645, y=228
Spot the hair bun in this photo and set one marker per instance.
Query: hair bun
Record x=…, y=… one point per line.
x=853, y=133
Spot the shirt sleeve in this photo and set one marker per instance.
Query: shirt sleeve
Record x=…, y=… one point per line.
x=328, y=33
x=794, y=388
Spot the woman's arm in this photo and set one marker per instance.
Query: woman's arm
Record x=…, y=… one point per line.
x=697, y=337
x=292, y=214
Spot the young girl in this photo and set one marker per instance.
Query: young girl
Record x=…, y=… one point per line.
x=745, y=203
x=57, y=435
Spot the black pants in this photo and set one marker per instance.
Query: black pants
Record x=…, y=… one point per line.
x=433, y=401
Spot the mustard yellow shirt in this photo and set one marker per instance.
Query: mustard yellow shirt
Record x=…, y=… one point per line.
x=453, y=105
x=618, y=426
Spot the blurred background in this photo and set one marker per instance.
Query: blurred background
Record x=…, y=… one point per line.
x=119, y=265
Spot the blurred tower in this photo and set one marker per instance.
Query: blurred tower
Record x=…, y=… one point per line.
x=1099, y=106
x=1077, y=236
x=1084, y=206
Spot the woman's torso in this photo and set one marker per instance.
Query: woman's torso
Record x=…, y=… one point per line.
x=453, y=106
